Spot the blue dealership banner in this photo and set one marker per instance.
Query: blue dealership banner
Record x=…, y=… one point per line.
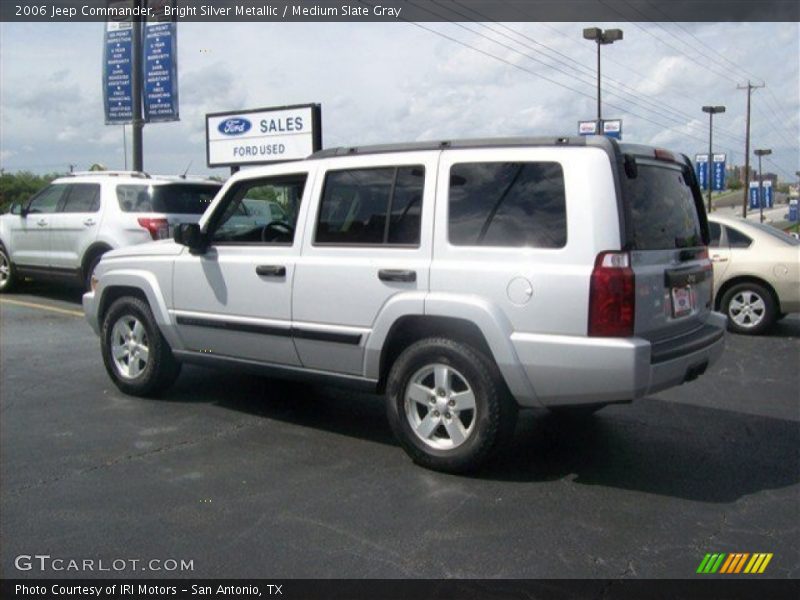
x=767, y=198
x=701, y=168
x=718, y=173
x=117, y=71
x=754, y=203
x=160, y=72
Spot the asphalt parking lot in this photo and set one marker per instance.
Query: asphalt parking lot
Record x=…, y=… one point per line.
x=249, y=477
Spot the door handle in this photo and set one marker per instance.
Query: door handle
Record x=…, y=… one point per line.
x=397, y=275
x=718, y=258
x=271, y=270
x=41, y=223
x=89, y=222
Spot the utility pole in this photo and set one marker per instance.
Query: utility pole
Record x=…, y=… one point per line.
x=136, y=91
x=749, y=87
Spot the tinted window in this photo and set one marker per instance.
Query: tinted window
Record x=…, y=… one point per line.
x=82, y=198
x=736, y=239
x=508, y=204
x=716, y=233
x=260, y=211
x=663, y=209
x=47, y=200
x=182, y=199
x=355, y=205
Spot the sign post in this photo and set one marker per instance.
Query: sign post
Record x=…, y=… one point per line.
x=262, y=136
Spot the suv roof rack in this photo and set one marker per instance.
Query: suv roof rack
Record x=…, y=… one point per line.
x=138, y=174
x=460, y=144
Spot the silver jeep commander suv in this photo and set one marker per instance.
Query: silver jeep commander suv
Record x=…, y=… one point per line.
x=463, y=279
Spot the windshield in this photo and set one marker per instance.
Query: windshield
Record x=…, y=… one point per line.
x=663, y=208
x=178, y=198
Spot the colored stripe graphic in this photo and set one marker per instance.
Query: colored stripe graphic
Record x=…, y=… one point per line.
x=734, y=563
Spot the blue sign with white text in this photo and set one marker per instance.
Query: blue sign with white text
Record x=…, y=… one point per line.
x=753, y=196
x=769, y=200
x=160, y=72
x=117, y=80
x=701, y=168
x=718, y=173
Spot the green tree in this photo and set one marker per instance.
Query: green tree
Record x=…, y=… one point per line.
x=20, y=186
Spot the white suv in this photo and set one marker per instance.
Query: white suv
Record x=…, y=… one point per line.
x=62, y=231
x=463, y=279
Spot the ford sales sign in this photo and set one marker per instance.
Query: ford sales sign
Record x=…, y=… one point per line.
x=261, y=136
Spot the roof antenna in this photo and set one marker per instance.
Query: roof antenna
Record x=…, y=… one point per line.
x=189, y=166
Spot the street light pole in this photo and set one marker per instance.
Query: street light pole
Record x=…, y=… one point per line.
x=759, y=154
x=711, y=110
x=600, y=37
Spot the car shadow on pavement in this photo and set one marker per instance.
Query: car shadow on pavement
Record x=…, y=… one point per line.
x=788, y=327
x=654, y=446
x=60, y=293
x=658, y=447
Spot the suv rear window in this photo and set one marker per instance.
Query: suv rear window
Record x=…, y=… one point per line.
x=663, y=208
x=508, y=204
x=180, y=199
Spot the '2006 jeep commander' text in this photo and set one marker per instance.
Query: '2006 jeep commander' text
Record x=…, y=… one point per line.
x=464, y=280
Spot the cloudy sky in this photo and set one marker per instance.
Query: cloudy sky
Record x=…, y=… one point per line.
x=391, y=82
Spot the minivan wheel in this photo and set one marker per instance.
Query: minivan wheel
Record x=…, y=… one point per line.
x=448, y=406
x=749, y=307
x=7, y=274
x=135, y=354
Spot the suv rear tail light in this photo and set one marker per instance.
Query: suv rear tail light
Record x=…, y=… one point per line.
x=158, y=228
x=612, y=296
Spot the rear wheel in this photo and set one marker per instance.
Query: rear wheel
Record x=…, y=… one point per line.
x=7, y=274
x=136, y=355
x=448, y=406
x=749, y=307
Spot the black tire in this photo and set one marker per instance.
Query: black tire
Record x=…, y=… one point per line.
x=491, y=421
x=582, y=411
x=160, y=369
x=8, y=276
x=755, y=298
x=90, y=267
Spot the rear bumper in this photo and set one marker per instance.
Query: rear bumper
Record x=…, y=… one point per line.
x=567, y=370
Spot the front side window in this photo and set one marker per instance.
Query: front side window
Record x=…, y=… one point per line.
x=47, y=200
x=509, y=204
x=82, y=198
x=260, y=211
x=371, y=207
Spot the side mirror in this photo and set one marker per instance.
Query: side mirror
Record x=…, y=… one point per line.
x=189, y=235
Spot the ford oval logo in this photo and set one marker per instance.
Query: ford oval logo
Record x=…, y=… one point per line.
x=234, y=126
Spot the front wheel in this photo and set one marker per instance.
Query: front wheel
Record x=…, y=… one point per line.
x=7, y=274
x=448, y=406
x=136, y=356
x=749, y=307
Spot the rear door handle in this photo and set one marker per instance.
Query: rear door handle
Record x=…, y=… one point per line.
x=718, y=258
x=397, y=275
x=41, y=223
x=271, y=270
x=89, y=222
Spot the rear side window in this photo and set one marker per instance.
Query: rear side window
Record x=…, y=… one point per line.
x=715, y=230
x=82, y=198
x=181, y=199
x=663, y=210
x=507, y=204
x=371, y=207
x=736, y=239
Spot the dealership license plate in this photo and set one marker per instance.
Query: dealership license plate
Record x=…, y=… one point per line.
x=682, y=301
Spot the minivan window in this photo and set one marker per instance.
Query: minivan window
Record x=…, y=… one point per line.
x=371, y=206
x=181, y=199
x=663, y=210
x=507, y=204
x=82, y=198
